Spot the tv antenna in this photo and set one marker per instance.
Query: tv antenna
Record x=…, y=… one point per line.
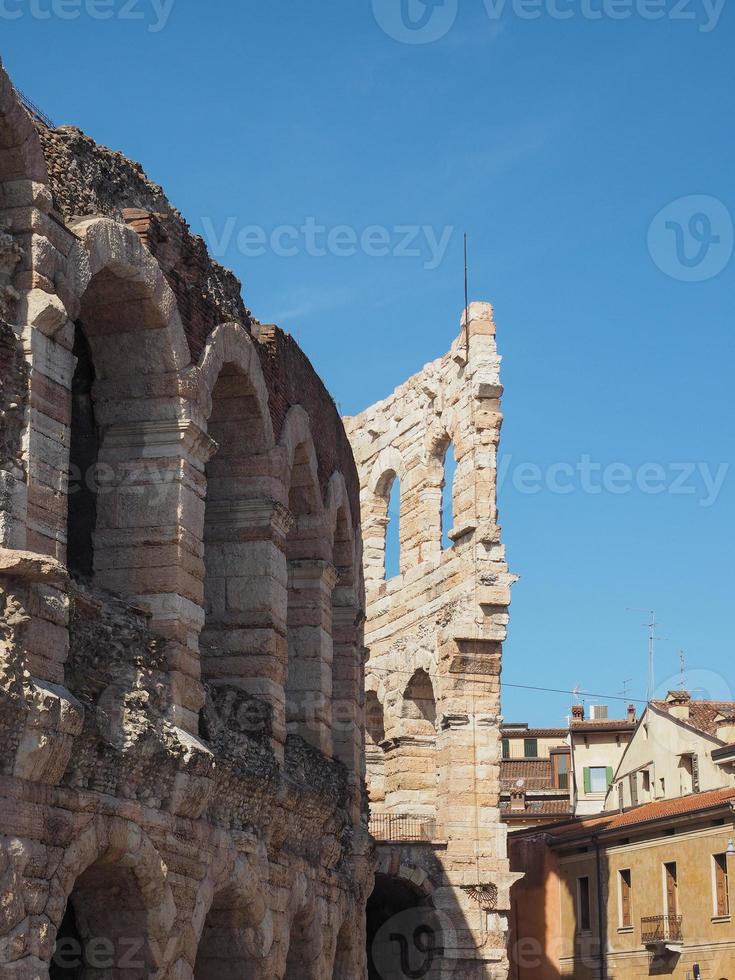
x=652, y=638
x=625, y=693
x=683, y=667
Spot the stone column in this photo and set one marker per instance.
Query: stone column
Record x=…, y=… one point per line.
x=147, y=542
x=244, y=638
x=309, y=686
x=348, y=690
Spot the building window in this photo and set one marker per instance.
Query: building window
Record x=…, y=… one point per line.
x=584, y=910
x=646, y=781
x=561, y=770
x=621, y=795
x=671, y=884
x=633, y=779
x=530, y=748
x=626, y=900
x=506, y=748
x=597, y=779
x=722, y=886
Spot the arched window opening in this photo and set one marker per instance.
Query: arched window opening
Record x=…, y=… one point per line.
x=233, y=561
x=83, y=459
x=393, y=530
x=105, y=920
x=447, y=513
x=223, y=950
x=374, y=720
x=414, y=950
x=419, y=703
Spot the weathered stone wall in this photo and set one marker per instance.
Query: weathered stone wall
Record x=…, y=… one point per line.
x=435, y=635
x=182, y=776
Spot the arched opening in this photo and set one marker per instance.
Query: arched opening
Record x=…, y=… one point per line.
x=239, y=553
x=447, y=511
x=419, y=704
x=393, y=528
x=223, y=952
x=311, y=580
x=113, y=504
x=374, y=720
x=404, y=935
x=105, y=930
x=83, y=458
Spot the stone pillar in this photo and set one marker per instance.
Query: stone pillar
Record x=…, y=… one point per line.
x=347, y=690
x=309, y=686
x=146, y=543
x=244, y=638
x=411, y=775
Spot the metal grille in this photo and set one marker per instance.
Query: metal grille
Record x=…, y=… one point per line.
x=402, y=827
x=661, y=929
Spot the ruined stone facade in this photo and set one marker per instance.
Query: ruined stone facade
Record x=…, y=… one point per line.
x=435, y=633
x=181, y=601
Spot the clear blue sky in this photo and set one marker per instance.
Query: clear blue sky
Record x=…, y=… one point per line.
x=554, y=144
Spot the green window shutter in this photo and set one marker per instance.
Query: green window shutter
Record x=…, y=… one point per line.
x=587, y=780
x=609, y=777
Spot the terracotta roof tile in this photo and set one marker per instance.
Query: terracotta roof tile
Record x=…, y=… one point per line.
x=604, y=725
x=647, y=813
x=536, y=769
x=702, y=714
x=533, y=732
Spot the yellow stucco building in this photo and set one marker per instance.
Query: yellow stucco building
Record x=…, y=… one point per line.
x=646, y=892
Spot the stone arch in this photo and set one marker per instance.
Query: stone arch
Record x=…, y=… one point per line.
x=127, y=330
x=112, y=887
x=231, y=343
x=311, y=580
x=243, y=569
x=233, y=926
x=387, y=473
x=419, y=702
x=400, y=919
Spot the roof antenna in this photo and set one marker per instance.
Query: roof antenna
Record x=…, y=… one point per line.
x=651, y=624
x=683, y=663
x=466, y=299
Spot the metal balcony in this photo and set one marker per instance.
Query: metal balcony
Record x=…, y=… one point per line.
x=659, y=932
x=406, y=827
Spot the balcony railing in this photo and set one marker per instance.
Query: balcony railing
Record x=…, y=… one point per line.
x=662, y=930
x=389, y=827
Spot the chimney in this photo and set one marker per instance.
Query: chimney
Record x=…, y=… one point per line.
x=631, y=714
x=678, y=702
x=726, y=728
x=518, y=797
x=577, y=712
